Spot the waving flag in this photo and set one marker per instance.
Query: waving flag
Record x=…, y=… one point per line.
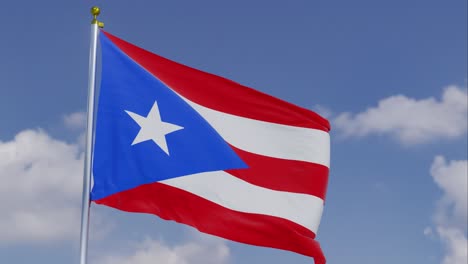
x=199, y=149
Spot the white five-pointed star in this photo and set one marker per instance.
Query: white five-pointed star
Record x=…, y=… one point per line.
x=153, y=128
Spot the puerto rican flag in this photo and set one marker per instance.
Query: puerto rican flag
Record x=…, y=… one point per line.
x=204, y=151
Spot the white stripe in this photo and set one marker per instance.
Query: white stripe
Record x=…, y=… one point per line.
x=269, y=139
x=235, y=194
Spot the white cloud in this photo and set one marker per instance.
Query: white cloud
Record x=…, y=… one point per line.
x=410, y=120
x=198, y=251
x=41, y=180
x=75, y=120
x=452, y=178
x=456, y=244
x=451, y=212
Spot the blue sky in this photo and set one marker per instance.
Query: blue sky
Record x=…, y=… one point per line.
x=390, y=75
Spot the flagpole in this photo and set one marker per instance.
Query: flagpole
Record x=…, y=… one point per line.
x=95, y=24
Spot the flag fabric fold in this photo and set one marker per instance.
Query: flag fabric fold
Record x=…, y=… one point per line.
x=204, y=151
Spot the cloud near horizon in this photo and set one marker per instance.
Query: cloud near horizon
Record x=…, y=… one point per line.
x=411, y=121
x=41, y=180
x=450, y=216
x=199, y=250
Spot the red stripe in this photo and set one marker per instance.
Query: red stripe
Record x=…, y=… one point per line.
x=283, y=175
x=219, y=93
x=175, y=204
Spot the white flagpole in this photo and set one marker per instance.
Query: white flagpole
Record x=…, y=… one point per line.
x=95, y=24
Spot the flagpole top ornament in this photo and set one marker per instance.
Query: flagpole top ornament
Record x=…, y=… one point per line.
x=95, y=11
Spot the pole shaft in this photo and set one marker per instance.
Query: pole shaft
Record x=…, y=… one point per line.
x=89, y=145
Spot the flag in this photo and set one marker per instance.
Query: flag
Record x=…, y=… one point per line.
x=204, y=151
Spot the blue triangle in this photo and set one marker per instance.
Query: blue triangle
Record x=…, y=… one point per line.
x=119, y=166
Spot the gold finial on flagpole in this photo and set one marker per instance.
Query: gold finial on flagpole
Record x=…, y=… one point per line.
x=95, y=11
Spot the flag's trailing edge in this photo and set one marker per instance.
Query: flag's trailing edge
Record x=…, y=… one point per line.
x=202, y=150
